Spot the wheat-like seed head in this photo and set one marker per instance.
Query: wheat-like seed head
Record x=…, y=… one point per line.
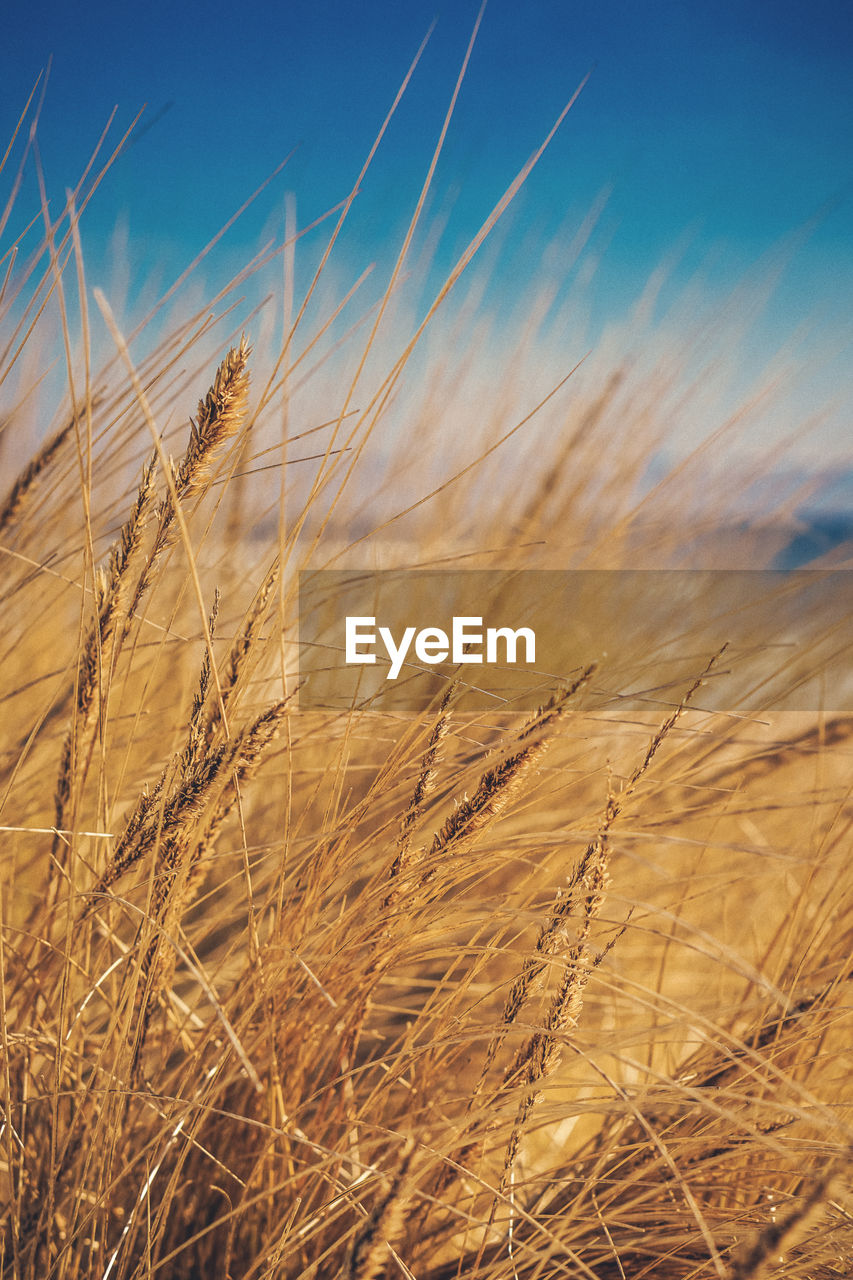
x=220, y=416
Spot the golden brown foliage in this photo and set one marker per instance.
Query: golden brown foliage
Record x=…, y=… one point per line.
x=296, y=992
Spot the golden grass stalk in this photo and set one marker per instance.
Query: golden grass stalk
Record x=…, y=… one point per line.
x=369, y=1255
x=101, y=646
x=498, y=785
x=197, y=736
x=22, y=489
x=771, y=1247
x=423, y=788
x=171, y=817
x=243, y=651
x=180, y=833
x=220, y=416
x=542, y=1054
x=382, y=948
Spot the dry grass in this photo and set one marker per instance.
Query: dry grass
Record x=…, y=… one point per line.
x=295, y=993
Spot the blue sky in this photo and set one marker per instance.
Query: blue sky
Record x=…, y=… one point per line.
x=724, y=127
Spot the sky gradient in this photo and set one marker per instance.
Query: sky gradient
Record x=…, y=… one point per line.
x=718, y=131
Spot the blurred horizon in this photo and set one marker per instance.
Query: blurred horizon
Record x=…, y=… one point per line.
x=708, y=153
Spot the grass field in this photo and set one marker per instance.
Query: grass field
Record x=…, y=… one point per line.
x=307, y=993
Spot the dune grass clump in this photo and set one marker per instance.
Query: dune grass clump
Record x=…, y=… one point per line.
x=298, y=992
